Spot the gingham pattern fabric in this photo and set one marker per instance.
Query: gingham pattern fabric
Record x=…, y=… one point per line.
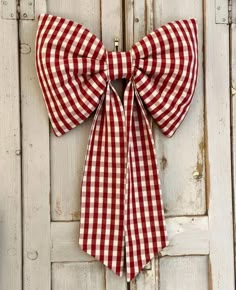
x=122, y=213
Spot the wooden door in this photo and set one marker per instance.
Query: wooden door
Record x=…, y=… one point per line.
x=194, y=165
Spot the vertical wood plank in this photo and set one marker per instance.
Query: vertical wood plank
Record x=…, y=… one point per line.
x=233, y=117
x=146, y=280
x=129, y=23
x=182, y=156
x=112, y=27
x=221, y=266
x=10, y=158
x=36, y=173
x=86, y=13
x=64, y=243
x=78, y=276
x=68, y=152
x=143, y=24
x=184, y=273
x=139, y=22
x=114, y=282
x=111, y=20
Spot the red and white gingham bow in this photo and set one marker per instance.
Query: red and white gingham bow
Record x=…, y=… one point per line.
x=121, y=204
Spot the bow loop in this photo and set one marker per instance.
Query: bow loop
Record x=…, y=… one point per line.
x=166, y=64
x=70, y=63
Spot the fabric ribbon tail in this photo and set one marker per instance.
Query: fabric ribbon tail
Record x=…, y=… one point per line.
x=102, y=196
x=146, y=232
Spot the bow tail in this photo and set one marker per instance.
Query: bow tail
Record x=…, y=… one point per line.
x=102, y=196
x=146, y=233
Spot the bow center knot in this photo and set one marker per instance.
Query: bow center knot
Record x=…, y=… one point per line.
x=119, y=65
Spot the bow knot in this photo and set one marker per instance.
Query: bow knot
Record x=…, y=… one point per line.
x=121, y=201
x=120, y=65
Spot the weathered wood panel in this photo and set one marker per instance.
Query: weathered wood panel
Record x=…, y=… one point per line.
x=10, y=158
x=68, y=152
x=112, y=23
x=86, y=13
x=35, y=164
x=182, y=156
x=187, y=235
x=64, y=243
x=219, y=189
x=184, y=273
x=114, y=282
x=139, y=22
x=64, y=247
x=146, y=280
x=78, y=276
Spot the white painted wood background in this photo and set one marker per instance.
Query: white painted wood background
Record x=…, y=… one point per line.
x=41, y=174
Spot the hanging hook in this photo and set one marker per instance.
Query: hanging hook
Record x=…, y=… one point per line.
x=116, y=42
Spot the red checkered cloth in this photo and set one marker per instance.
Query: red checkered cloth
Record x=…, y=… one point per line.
x=121, y=201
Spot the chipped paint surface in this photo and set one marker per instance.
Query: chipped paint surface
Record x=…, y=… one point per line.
x=75, y=215
x=198, y=173
x=210, y=282
x=200, y=157
x=58, y=209
x=208, y=181
x=163, y=163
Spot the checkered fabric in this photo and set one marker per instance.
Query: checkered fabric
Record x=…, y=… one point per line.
x=121, y=201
